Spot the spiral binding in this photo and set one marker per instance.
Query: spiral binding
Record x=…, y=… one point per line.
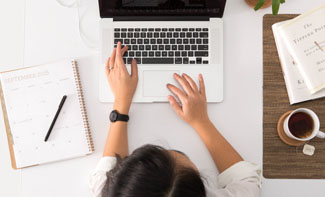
x=83, y=106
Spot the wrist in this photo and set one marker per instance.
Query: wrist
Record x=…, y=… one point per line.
x=122, y=107
x=201, y=125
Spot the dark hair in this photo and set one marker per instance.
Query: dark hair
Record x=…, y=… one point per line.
x=150, y=171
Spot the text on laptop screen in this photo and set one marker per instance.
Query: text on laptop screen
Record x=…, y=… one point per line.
x=111, y=8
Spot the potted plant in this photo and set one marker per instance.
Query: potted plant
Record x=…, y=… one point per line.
x=257, y=4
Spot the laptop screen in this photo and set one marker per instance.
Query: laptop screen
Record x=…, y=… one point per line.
x=111, y=8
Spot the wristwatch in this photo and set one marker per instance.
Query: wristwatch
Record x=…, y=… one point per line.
x=115, y=116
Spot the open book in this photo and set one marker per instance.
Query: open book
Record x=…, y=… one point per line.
x=30, y=98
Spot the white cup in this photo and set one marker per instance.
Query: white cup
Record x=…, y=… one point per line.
x=315, y=133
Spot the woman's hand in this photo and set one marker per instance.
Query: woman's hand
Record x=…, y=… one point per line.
x=193, y=99
x=123, y=85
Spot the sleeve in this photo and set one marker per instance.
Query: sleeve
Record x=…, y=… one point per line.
x=240, y=180
x=97, y=177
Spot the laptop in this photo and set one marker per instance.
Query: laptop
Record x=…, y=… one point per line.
x=165, y=37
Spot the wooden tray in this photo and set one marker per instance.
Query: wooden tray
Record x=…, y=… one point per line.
x=279, y=159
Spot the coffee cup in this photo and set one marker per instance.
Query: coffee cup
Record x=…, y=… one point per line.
x=303, y=125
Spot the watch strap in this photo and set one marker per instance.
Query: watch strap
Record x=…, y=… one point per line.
x=122, y=117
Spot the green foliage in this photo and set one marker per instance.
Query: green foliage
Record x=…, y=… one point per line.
x=275, y=5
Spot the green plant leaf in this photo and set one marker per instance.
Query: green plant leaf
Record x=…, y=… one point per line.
x=259, y=4
x=275, y=6
x=282, y=1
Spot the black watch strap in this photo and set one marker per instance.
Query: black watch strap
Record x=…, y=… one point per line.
x=115, y=116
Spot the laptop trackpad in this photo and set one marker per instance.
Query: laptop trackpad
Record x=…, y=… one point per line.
x=154, y=82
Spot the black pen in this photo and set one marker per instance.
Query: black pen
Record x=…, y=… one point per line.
x=55, y=117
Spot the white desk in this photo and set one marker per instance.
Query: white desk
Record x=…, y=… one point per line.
x=51, y=32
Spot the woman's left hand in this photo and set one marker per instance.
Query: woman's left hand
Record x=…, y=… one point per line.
x=123, y=85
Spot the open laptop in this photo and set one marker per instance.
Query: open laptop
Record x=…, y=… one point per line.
x=166, y=37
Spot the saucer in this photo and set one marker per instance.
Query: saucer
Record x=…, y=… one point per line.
x=283, y=135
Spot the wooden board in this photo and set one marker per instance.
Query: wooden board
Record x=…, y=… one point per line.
x=279, y=159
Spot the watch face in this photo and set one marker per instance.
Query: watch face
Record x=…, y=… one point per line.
x=113, y=116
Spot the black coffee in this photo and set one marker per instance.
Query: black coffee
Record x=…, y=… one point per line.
x=301, y=125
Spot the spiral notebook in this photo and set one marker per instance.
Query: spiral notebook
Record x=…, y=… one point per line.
x=30, y=98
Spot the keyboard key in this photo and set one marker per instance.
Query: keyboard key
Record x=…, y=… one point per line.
x=205, y=62
x=156, y=35
x=143, y=35
x=171, y=29
x=180, y=47
x=191, y=29
x=137, y=29
x=134, y=47
x=131, y=54
x=179, y=41
x=130, y=35
x=118, y=40
x=154, y=47
x=205, y=41
x=177, y=54
x=124, y=29
x=133, y=41
x=169, y=35
x=123, y=35
x=158, y=53
x=152, y=41
x=126, y=41
x=192, y=62
x=182, y=35
x=195, y=35
x=174, y=47
x=163, y=35
x=159, y=41
x=117, y=35
x=138, y=54
x=144, y=29
x=187, y=47
x=137, y=35
x=129, y=60
x=198, y=41
x=198, y=29
x=157, y=29
x=149, y=35
x=201, y=53
x=199, y=60
x=151, y=29
x=138, y=60
x=204, y=34
x=166, y=41
x=184, y=54
x=141, y=47
x=164, y=29
x=178, y=29
x=193, y=47
x=167, y=47
x=176, y=34
x=172, y=41
x=203, y=47
x=171, y=53
x=190, y=53
x=144, y=53
x=146, y=41
x=164, y=53
x=185, y=60
x=117, y=29
x=161, y=47
x=192, y=41
x=125, y=54
x=130, y=29
x=205, y=29
x=140, y=41
x=189, y=35
x=157, y=60
x=178, y=60
x=185, y=41
x=151, y=54
x=184, y=29
x=148, y=47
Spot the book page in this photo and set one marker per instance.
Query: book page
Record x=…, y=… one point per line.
x=32, y=97
x=305, y=38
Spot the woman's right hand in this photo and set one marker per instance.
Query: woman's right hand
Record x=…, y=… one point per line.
x=193, y=108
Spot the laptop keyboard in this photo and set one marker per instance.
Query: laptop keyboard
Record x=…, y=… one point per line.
x=164, y=45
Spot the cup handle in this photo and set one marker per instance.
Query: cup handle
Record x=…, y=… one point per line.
x=320, y=134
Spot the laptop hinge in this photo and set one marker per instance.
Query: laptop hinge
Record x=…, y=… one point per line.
x=161, y=18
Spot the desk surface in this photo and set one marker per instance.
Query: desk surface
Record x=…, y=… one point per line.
x=51, y=32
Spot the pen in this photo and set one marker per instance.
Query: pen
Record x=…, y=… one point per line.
x=55, y=117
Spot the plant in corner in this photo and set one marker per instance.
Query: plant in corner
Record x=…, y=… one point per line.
x=275, y=5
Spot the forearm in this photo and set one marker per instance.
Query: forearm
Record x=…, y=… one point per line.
x=117, y=139
x=223, y=154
